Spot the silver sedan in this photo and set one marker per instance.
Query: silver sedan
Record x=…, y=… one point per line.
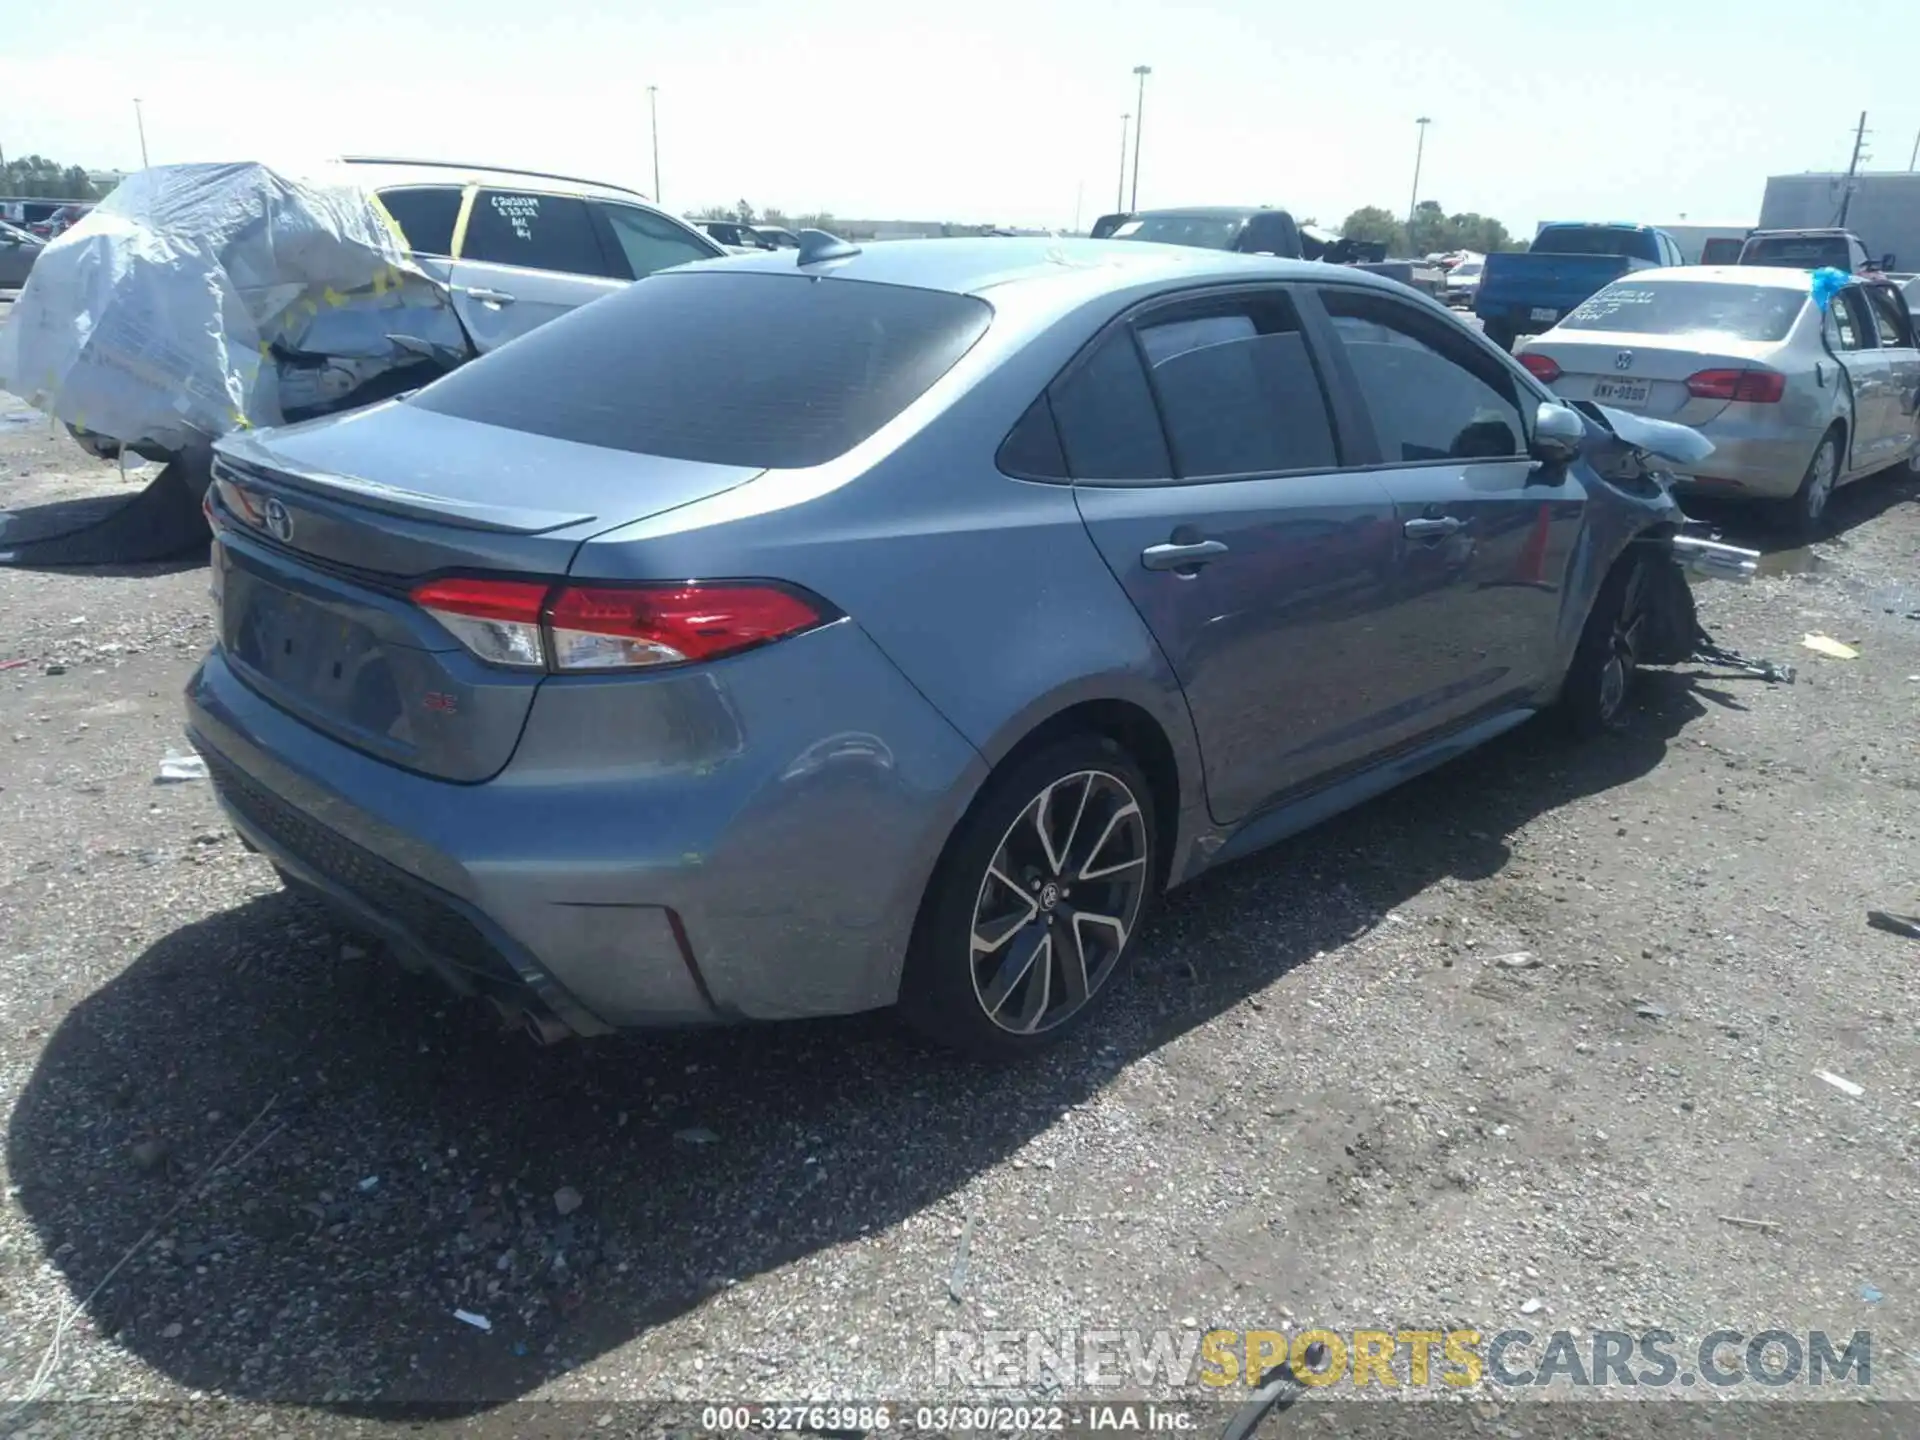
x=1797, y=399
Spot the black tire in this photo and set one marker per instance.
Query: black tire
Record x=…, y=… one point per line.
x=1803, y=516
x=951, y=979
x=1599, y=683
x=1500, y=333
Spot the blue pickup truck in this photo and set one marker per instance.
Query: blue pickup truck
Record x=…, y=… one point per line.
x=1526, y=293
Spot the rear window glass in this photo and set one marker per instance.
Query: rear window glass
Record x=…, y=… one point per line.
x=1809, y=253
x=1208, y=232
x=1746, y=312
x=1596, y=240
x=772, y=371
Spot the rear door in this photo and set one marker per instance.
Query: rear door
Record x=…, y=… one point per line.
x=1485, y=536
x=1854, y=340
x=1898, y=347
x=1259, y=564
x=527, y=257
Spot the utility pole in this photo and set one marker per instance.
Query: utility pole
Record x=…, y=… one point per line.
x=1419, y=154
x=1120, y=195
x=653, y=124
x=1079, y=201
x=141, y=121
x=1853, y=168
x=1913, y=161
x=1139, y=109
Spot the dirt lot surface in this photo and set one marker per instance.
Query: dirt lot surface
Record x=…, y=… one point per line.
x=1323, y=1097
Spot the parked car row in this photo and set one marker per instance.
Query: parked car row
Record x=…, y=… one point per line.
x=742, y=239
x=18, y=250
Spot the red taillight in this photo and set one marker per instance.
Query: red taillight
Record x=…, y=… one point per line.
x=1543, y=368
x=619, y=628
x=1755, y=387
x=530, y=625
x=498, y=620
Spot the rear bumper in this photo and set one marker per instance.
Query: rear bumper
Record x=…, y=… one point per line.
x=1752, y=460
x=676, y=850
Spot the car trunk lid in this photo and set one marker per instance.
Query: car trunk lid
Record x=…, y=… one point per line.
x=1647, y=374
x=314, y=565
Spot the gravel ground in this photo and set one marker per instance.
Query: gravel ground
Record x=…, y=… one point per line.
x=1321, y=1098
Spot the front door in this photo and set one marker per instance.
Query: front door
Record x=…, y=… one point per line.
x=1485, y=536
x=1899, y=427
x=1259, y=565
x=525, y=259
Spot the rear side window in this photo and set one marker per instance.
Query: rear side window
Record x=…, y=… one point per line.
x=650, y=242
x=1238, y=390
x=1108, y=425
x=537, y=232
x=769, y=371
x=1597, y=240
x=1847, y=323
x=1745, y=312
x=425, y=215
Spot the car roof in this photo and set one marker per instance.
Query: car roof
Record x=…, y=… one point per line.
x=1205, y=212
x=1778, y=277
x=378, y=173
x=973, y=266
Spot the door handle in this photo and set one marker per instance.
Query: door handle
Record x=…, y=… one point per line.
x=491, y=297
x=1432, y=529
x=1181, y=557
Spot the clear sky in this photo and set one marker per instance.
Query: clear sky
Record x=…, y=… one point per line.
x=1002, y=111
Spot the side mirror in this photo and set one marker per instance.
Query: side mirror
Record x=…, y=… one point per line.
x=1558, y=433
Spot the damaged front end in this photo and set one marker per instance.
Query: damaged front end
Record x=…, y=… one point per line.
x=1677, y=551
x=197, y=300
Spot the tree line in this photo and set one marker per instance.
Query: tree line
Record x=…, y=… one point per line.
x=34, y=177
x=1434, y=231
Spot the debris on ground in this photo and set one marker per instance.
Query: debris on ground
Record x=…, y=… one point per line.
x=1647, y=1010
x=1518, y=960
x=1532, y=1307
x=1743, y=1222
x=957, y=1277
x=567, y=1200
x=1841, y=1083
x=1907, y=925
x=478, y=1322
x=1707, y=652
x=1871, y=1294
x=695, y=1135
x=1827, y=645
x=181, y=767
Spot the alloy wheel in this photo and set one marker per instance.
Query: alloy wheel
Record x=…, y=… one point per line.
x=1821, y=477
x=1058, y=903
x=1625, y=645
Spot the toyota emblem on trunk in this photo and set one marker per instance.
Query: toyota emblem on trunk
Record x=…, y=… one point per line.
x=1623, y=360
x=279, y=522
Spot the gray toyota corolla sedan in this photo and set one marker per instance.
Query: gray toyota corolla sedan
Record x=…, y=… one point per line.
x=802, y=634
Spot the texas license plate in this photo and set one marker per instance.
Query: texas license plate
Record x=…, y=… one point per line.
x=1621, y=392
x=1541, y=312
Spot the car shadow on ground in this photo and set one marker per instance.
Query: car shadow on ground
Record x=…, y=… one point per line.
x=411, y=1161
x=1851, y=507
x=157, y=530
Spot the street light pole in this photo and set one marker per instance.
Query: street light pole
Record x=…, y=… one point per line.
x=1419, y=154
x=1120, y=195
x=653, y=124
x=1139, y=109
x=141, y=120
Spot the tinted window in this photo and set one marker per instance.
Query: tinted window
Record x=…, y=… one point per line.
x=1108, y=425
x=1596, y=240
x=1032, y=450
x=1889, y=315
x=1209, y=232
x=540, y=232
x=1720, y=251
x=1799, y=252
x=1430, y=394
x=1847, y=323
x=1271, y=234
x=650, y=242
x=425, y=216
x=1238, y=390
x=730, y=368
x=1747, y=312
